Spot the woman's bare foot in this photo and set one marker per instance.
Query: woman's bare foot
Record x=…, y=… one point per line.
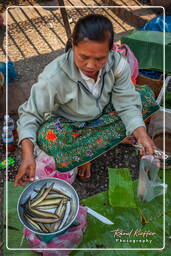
x=84, y=171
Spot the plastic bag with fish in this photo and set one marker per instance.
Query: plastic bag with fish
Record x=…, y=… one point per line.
x=149, y=183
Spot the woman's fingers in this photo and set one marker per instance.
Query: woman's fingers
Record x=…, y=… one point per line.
x=25, y=174
x=32, y=173
x=142, y=151
x=149, y=150
x=148, y=146
x=19, y=177
x=143, y=139
x=22, y=183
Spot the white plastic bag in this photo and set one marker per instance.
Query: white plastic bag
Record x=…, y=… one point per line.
x=149, y=183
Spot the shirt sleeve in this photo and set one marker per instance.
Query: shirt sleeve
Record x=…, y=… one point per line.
x=127, y=101
x=35, y=111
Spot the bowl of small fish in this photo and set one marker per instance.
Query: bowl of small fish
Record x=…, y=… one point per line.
x=48, y=206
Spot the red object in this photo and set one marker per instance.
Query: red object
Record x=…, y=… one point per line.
x=15, y=134
x=50, y=135
x=75, y=135
x=11, y=146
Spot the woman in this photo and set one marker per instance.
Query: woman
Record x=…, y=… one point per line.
x=71, y=112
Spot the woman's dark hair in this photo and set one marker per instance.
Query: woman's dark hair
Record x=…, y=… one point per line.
x=94, y=27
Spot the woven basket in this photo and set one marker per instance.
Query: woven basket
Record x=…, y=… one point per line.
x=155, y=128
x=154, y=84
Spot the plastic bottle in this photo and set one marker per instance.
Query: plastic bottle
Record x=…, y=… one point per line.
x=8, y=138
x=8, y=121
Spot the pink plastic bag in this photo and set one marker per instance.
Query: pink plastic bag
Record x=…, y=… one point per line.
x=45, y=167
x=133, y=63
x=71, y=238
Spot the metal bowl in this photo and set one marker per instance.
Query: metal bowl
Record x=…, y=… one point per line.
x=30, y=191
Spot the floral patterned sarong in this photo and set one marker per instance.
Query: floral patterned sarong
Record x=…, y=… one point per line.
x=74, y=143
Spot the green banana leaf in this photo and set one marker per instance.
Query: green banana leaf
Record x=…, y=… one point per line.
x=99, y=235
x=126, y=218
x=121, y=187
x=14, y=237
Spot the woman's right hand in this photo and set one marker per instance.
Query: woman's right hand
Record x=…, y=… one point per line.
x=26, y=172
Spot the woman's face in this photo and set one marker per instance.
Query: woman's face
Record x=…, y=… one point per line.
x=91, y=56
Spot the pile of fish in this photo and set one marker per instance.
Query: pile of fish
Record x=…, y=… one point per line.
x=36, y=210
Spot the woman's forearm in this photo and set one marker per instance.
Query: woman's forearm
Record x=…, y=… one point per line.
x=27, y=148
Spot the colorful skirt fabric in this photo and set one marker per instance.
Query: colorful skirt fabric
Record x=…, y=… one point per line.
x=74, y=143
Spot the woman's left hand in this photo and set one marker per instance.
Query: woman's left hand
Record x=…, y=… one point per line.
x=144, y=140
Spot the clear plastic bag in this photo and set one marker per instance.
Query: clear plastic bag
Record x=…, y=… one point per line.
x=149, y=183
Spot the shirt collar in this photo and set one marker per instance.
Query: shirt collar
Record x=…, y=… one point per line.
x=86, y=78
